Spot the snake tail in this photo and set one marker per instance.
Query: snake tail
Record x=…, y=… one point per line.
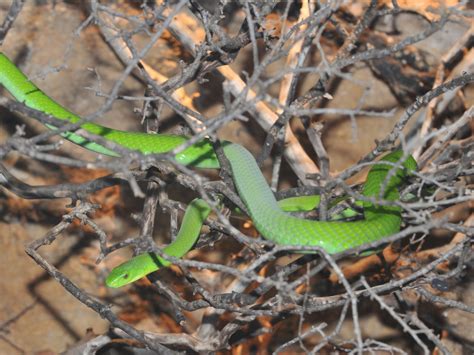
x=23, y=90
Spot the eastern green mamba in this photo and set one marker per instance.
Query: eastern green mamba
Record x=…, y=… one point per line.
x=268, y=217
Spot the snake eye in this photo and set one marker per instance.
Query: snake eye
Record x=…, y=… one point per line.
x=126, y=276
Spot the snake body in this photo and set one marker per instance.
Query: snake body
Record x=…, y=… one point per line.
x=267, y=216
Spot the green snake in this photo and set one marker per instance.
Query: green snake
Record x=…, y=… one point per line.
x=268, y=217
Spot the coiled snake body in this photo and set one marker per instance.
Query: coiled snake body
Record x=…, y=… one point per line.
x=269, y=219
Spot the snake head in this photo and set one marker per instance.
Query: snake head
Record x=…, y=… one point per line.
x=122, y=275
x=133, y=270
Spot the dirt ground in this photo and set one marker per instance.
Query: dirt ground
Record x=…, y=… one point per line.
x=44, y=318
